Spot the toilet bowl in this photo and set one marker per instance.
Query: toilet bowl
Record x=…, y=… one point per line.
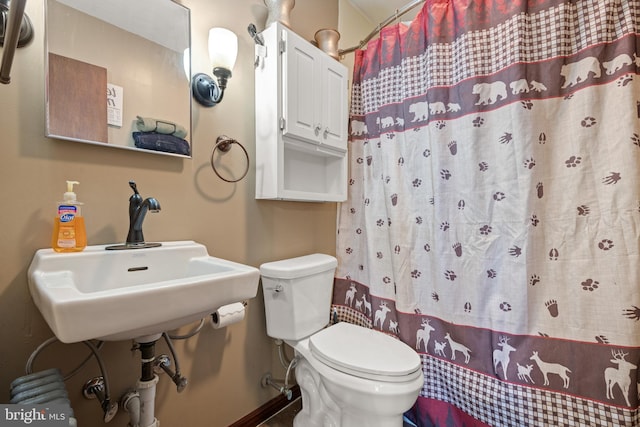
x=349, y=376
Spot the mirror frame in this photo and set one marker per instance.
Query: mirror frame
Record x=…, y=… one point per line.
x=59, y=94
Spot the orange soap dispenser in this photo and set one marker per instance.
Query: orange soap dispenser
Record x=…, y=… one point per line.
x=69, y=233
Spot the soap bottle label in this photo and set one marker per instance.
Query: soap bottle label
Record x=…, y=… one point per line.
x=67, y=213
x=67, y=228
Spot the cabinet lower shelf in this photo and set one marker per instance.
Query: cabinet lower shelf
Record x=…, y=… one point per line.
x=307, y=173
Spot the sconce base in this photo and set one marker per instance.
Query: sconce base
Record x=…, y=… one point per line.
x=205, y=90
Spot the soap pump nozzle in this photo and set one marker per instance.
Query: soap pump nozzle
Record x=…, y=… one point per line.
x=70, y=196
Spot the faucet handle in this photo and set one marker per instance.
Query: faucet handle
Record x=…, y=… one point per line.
x=134, y=187
x=135, y=200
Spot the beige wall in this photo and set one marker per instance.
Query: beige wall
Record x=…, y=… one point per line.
x=353, y=27
x=224, y=367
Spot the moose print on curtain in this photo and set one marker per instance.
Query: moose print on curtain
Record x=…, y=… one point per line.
x=493, y=216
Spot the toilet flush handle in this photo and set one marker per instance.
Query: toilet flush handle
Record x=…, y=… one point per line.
x=278, y=288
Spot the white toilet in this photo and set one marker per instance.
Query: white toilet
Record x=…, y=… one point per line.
x=349, y=376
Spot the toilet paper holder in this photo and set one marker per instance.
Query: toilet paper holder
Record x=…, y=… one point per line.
x=228, y=314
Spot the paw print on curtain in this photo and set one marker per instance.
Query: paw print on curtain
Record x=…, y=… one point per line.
x=573, y=161
x=612, y=178
x=606, y=244
x=506, y=138
x=590, y=285
x=453, y=147
x=552, y=306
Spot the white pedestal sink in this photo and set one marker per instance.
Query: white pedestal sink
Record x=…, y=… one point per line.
x=126, y=294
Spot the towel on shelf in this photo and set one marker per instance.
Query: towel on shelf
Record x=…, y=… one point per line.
x=161, y=142
x=149, y=124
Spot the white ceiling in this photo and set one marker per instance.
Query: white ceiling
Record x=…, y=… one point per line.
x=378, y=11
x=142, y=17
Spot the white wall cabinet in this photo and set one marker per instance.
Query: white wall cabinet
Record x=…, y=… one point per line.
x=301, y=120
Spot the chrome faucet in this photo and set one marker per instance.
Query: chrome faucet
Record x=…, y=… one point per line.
x=137, y=211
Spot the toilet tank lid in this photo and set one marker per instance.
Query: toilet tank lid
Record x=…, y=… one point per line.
x=298, y=267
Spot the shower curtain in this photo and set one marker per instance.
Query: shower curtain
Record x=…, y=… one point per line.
x=494, y=208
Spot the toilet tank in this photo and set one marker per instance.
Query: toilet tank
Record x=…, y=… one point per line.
x=297, y=295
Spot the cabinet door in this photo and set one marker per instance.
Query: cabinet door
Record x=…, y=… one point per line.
x=334, y=104
x=301, y=85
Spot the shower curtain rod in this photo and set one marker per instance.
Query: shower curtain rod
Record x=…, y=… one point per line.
x=399, y=12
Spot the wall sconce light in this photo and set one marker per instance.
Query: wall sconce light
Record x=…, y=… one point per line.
x=223, y=50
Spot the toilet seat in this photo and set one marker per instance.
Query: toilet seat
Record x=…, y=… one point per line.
x=364, y=353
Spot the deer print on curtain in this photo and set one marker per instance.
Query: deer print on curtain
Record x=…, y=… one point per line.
x=620, y=376
x=502, y=356
x=493, y=218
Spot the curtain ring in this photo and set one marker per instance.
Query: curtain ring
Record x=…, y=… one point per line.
x=223, y=143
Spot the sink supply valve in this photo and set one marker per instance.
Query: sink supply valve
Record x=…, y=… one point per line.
x=163, y=363
x=95, y=389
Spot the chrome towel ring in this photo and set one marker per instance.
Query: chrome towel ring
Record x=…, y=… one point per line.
x=224, y=143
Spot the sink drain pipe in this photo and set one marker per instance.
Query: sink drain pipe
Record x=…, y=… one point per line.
x=146, y=386
x=130, y=401
x=140, y=403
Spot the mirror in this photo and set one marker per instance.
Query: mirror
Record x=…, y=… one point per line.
x=116, y=74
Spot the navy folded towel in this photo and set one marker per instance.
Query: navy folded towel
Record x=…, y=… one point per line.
x=161, y=142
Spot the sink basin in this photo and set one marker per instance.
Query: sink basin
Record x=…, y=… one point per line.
x=120, y=295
